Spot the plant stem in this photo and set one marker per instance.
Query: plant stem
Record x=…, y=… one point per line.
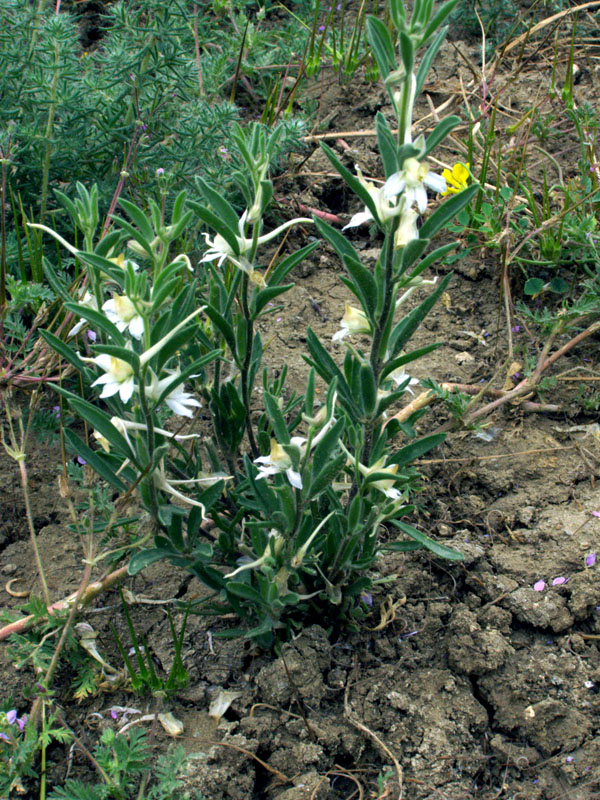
x=246, y=388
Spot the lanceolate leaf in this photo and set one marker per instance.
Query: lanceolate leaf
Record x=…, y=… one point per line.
x=435, y=547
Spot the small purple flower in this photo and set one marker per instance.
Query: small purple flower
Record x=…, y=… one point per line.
x=56, y=411
x=92, y=336
x=4, y=737
x=590, y=560
x=595, y=513
x=539, y=586
x=22, y=722
x=516, y=328
x=367, y=599
x=559, y=581
x=321, y=27
x=568, y=759
x=81, y=461
x=160, y=171
x=114, y=714
x=11, y=716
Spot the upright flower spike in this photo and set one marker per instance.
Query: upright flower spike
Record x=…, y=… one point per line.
x=411, y=181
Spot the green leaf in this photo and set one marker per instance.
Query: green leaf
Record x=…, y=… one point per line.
x=416, y=449
x=245, y=591
x=145, y=558
x=288, y=263
x=437, y=549
x=276, y=418
x=533, y=286
x=98, y=420
x=447, y=211
x=135, y=234
x=98, y=320
x=223, y=326
x=439, y=133
x=361, y=276
x=264, y=296
x=437, y=20
x=123, y=353
x=139, y=219
x=323, y=480
x=368, y=389
x=352, y=181
x=387, y=145
x=407, y=326
x=428, y=60
x=324, y=450
x=381, y=44
x=326, y=367
x=220, y=205
x=63, y=350
x=96, y=461
x=396, y=363
x=407, y=52
x=216, y=224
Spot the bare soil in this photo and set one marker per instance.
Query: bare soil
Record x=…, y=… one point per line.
x=479, y=685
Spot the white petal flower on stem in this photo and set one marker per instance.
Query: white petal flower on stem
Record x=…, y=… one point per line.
x=387, y=207
x=123, y=313
x=353, y=321
x=89, y=301
x=220, y=250
x=118, y=376
x=179, y=401
x=279, y=461
x=411, y=181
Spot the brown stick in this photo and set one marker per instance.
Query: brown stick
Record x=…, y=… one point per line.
x=92, y=591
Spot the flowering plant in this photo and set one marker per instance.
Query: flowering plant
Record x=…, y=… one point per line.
x=279, y=509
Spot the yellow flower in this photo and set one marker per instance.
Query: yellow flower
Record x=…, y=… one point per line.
x=457, y=179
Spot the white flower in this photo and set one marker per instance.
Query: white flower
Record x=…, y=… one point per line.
x=178, y=400
x=407, y=229
x=279, y=461
x=411, y=182
x=353, y=321
x=219, y=249
x=123, y=313
x=89, y=301
x=387, y=207
x=118, y=376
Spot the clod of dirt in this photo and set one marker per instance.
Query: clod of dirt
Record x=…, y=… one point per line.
x=552, y=725
x=472, y=650
x=305, y=660
x=545, y=611
x=309, y=786
x=222, y=772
